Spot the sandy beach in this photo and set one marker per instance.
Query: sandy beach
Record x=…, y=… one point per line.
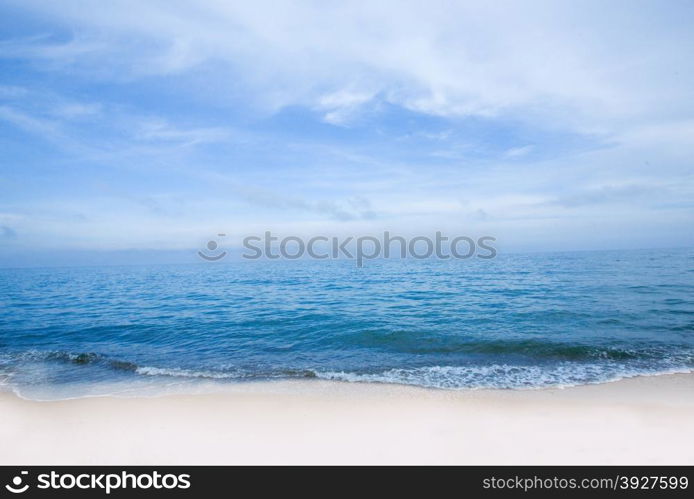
x=646, y=420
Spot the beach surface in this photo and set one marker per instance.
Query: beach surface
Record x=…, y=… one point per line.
x=644, y=420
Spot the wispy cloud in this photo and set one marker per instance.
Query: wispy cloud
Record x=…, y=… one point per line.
x=516, y=152
x=340, y=106
x=160, y=130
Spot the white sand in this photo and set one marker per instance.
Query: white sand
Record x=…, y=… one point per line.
x=646, y=420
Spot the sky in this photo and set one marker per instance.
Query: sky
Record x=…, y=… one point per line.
x=152, y=126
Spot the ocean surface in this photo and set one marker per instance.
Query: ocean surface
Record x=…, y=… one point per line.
x=517, y=321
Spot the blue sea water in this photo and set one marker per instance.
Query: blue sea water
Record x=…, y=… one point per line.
x=517, y=321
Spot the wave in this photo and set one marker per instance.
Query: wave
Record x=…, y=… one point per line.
x=237, y=375
x=425, y=343
x=76, y=358
x=184, y=373
x=498, y=376
x=575, y=365
x=103, y=360
x=495, y=376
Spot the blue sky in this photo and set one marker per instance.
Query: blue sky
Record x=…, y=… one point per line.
x=155, y=125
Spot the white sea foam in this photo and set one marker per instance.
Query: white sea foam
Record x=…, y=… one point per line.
x=502, y=376
x=184, y=373
x=497, y=376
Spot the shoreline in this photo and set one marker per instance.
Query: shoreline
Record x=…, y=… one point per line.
x=641, y=420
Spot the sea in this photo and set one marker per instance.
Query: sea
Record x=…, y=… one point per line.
x=518, y=321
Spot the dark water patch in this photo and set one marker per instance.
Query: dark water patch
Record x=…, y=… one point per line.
x=73, y=358
x=420, y=342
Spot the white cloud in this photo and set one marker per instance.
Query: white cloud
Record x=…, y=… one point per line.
x=591, y=64
x=516, y=152
x=342, y=105
x=76, y=110
x=619, y=70
x=46, y=128
x=161, y=130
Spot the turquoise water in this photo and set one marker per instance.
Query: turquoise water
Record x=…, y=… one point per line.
x=518, y=321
